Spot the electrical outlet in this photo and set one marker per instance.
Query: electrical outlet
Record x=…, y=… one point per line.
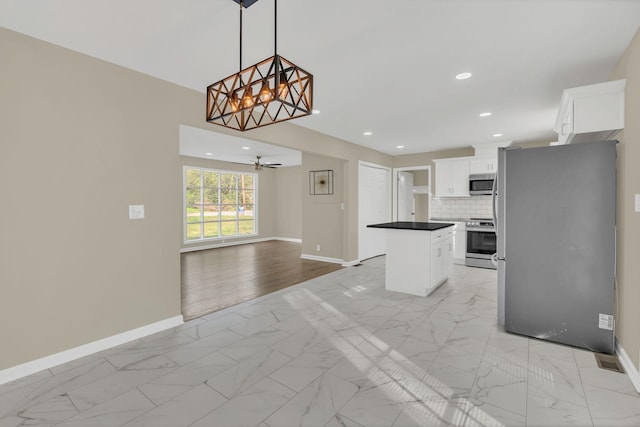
x=136, y=211
x=317, y=248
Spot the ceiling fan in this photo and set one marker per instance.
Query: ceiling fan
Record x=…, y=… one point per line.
x=258, y=166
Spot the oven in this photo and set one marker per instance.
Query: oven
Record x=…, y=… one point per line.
x=481, y=243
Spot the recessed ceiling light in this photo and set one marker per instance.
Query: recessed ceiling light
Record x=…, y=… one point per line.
x=487, y=114
x=209, y=154
x=497, y=134
x=463, y=76
x=399, y=146
x=246, y=148
x=367, y=133
x=315, y=111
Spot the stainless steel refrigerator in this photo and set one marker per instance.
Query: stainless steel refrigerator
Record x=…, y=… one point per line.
x=555, y=224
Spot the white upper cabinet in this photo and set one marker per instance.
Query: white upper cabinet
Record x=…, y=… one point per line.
x=452, y=177
x=591, y=113
x=483, y=165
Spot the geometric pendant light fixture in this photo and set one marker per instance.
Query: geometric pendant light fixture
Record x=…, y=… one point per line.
x=271, y=91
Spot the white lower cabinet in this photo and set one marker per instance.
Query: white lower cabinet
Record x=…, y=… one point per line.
x=441, y=255
x=459, y=242
x=438, y=256
x=417, y=262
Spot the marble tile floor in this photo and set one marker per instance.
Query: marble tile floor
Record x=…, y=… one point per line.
x=338, y=350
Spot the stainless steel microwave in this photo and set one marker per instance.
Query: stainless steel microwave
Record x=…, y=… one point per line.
x=481, y=184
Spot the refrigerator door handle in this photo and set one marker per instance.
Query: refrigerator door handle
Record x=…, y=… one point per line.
x=493, y=201
x=494, y=257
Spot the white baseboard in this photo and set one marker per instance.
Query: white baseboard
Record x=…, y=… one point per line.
x=629, y=367
x=331, y=260
x=19, y=371
x=287, y=239
x=235, y=242
x=322, y=258
x=223, y=243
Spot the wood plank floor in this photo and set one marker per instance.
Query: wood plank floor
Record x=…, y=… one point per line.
x=214, y=279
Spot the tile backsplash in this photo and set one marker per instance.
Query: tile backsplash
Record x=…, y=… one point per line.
x=461, y=207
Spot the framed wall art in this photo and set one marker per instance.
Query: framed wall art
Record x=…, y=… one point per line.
x=321, y=182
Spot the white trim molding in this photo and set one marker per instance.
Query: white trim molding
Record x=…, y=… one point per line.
x=287, y=239
x=234, y=242
x=331, y=260
x=629, y=367
x=322, y=258
x=19, y=371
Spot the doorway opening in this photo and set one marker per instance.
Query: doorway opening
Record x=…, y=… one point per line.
x=412, y=193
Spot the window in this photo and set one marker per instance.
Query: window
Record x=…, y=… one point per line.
x=219, y=204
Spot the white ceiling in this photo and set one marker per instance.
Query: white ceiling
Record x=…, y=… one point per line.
x=197, y=142
x=387, y=66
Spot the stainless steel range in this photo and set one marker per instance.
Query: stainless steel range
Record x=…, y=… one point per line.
x=481, y=243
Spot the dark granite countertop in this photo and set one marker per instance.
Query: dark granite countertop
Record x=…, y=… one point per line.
x=408, y=225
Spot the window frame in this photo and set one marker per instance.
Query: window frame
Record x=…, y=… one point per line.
x=202, y=238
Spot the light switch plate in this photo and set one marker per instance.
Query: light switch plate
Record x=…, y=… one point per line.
x=136, y=211
x=637, y=202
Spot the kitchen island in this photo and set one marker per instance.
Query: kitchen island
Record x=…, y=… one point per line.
x=418, y=255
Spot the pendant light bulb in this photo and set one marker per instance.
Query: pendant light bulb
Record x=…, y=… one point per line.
x=265, y=92
x=247, y=99
x=235, y=102
x=283, y=87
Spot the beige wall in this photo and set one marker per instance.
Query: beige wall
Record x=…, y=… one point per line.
x=420, y=177
x=289, y=188
x=628, y=221
x=323, y=216
x=81, y=140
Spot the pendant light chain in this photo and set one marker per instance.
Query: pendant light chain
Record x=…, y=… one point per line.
x=240, y=35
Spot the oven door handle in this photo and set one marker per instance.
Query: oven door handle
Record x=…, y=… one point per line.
x=494, y=259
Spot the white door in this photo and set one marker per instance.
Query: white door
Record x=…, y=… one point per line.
x=374, y=207
x=406, y=207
